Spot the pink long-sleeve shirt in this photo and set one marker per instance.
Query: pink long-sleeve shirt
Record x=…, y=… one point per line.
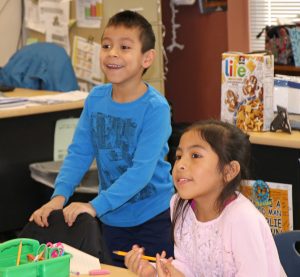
x=237, y=243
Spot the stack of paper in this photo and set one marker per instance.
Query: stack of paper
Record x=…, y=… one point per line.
x=6, y=102
x=59, y=98
x=81, y=262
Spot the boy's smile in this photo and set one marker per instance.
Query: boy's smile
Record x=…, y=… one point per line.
x=121, y=57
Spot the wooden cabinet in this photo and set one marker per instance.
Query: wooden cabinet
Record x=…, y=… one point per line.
x=276, y=158
x=287, y=70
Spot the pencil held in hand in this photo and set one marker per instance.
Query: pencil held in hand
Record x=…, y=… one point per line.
x=122, y=253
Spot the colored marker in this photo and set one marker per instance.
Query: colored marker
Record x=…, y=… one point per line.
x=99, y=272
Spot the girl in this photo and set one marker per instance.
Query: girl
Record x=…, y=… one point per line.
x=217, y=231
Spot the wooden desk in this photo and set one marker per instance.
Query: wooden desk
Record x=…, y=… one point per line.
x=38, y=109
x=279, y=139
x=27, y=136
x=114, y=272
x=276, y=158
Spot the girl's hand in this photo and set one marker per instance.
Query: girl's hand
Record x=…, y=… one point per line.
x=40, y=216
x=165, y=268
x=76, y=208
x=135, y=263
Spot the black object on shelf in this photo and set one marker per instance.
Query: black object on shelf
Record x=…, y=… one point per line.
x=281, y=121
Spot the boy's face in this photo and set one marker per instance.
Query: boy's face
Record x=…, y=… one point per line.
x=121, y=57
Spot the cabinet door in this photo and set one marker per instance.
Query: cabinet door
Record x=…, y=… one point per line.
x=280, y=165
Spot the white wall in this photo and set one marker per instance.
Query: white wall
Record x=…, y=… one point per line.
x=10, y=24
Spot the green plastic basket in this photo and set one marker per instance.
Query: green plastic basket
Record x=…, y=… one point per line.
x=58, y=267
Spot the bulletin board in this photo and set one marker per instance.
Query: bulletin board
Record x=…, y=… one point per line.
x=150, y=9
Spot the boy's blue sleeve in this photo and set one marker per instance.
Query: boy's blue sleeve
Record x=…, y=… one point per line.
x=150, y=149
x=77, y=162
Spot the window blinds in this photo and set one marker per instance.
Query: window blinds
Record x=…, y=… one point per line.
x=266, y=12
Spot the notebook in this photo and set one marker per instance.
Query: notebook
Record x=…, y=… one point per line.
x=81, y=262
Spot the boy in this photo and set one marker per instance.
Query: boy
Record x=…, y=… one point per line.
x=125, y=126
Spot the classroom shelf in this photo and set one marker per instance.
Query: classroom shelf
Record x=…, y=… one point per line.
x=287, y=70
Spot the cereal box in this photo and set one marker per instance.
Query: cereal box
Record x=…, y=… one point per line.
x=247, y=90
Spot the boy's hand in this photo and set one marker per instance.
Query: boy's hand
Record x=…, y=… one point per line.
x=76, y=208
x=135, y=263
x=165, y=268
x=40, y=216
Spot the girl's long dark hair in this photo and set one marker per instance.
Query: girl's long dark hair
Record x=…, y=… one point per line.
x=230, y=144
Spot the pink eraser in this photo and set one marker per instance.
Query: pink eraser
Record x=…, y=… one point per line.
x=99, y=272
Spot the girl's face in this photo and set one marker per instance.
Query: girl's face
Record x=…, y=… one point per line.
x=196, y=173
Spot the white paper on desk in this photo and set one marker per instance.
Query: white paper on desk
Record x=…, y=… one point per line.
x=63, y=97
x=80, y=261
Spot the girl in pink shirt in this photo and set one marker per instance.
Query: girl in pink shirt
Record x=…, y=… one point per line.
x=217, y=231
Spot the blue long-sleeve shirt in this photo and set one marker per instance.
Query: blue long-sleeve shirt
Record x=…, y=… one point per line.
x=129, y=143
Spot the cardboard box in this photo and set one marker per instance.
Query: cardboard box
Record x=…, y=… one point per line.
x=247, y=90
x=287, y=94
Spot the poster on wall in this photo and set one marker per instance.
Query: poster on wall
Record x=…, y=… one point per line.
x=89, y=13
x=274, y=201
x=37, y=13
x=86, y=60
x=208, y=6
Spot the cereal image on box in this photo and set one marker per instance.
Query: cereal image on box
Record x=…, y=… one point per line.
x=231, y=100
x=247, y=90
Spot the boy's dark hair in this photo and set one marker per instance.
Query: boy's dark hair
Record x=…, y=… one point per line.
x=230, y=144
x=132, y=19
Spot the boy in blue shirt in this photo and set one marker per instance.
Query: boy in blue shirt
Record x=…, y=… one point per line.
x=125, y=126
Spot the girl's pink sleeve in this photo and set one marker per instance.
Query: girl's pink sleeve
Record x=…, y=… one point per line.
x=253, y=247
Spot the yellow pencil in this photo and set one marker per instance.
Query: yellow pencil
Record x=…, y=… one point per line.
x=19, y=253
x=39, y=256
x=122, y=253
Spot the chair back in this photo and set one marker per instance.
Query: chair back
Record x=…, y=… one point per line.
x=288, y=253
x=42, y=66
x=85, y=234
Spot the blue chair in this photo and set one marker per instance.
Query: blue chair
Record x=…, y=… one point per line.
x=288, y=254
x=42, y=66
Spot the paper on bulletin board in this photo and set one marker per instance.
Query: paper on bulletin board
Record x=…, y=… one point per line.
x=89, y=13
x=86, y=60
x=58, y=33
x=274, y=201
x=32, y=16
x=37, y=13
x=64, y=131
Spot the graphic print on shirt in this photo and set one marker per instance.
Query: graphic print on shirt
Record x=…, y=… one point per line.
x=114, y=141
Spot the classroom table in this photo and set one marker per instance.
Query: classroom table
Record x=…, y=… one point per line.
x=38, y=109
x=27, y=136
x=114, y=272
x=276, y=158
